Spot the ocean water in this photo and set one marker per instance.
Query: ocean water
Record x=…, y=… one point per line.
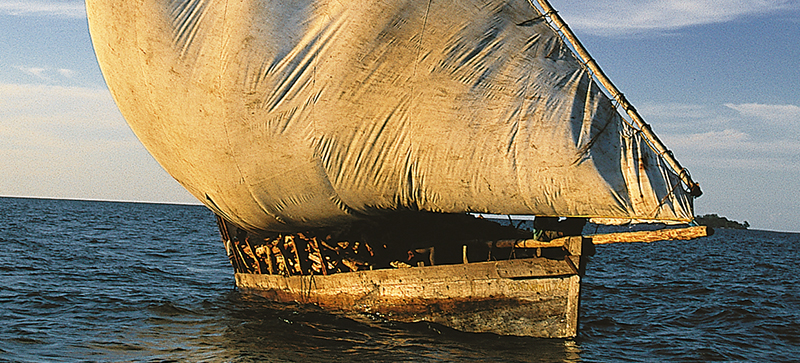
x=103, y=281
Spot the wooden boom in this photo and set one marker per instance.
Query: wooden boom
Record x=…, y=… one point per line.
x=653, y=236
x=622, y=237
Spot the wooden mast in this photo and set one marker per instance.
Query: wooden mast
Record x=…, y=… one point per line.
x=587, y=59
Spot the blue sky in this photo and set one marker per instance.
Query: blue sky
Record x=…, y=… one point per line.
x=717, y=79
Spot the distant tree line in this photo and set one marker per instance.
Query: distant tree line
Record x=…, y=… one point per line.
x=715, y=221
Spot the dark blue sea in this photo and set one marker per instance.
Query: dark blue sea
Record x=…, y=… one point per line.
x=103, y=281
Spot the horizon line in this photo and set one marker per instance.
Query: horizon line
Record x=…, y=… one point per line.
x=102, y=200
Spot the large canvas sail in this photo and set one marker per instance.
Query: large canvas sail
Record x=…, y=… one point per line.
x=284, y=115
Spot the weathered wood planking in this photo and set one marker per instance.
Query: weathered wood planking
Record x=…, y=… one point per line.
x=527, y=297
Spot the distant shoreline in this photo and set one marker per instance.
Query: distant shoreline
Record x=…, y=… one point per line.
x=716, y=221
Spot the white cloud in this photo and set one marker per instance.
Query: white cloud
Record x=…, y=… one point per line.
x=703, y=144
x=779, y=121
x=66, y=9
x=46, y=73
x=626, y=17
x=785, y=115
x=733, y=141
x=37, y=72
x=66, y=73
x=724, y=137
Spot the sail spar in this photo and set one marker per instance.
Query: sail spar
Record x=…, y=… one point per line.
x=281, y=116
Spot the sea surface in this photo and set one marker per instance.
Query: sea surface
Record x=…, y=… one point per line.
x=106, y=281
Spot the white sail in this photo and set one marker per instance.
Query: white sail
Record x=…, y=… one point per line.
x=281, y=115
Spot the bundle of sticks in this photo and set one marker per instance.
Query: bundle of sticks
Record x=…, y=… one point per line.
x=302, y=254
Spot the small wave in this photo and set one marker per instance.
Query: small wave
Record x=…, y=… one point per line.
x=117, y=346
x=169, y=309
x=148, y=269
x=24, y=340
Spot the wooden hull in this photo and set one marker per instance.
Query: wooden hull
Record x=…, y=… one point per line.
x=536, y=297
